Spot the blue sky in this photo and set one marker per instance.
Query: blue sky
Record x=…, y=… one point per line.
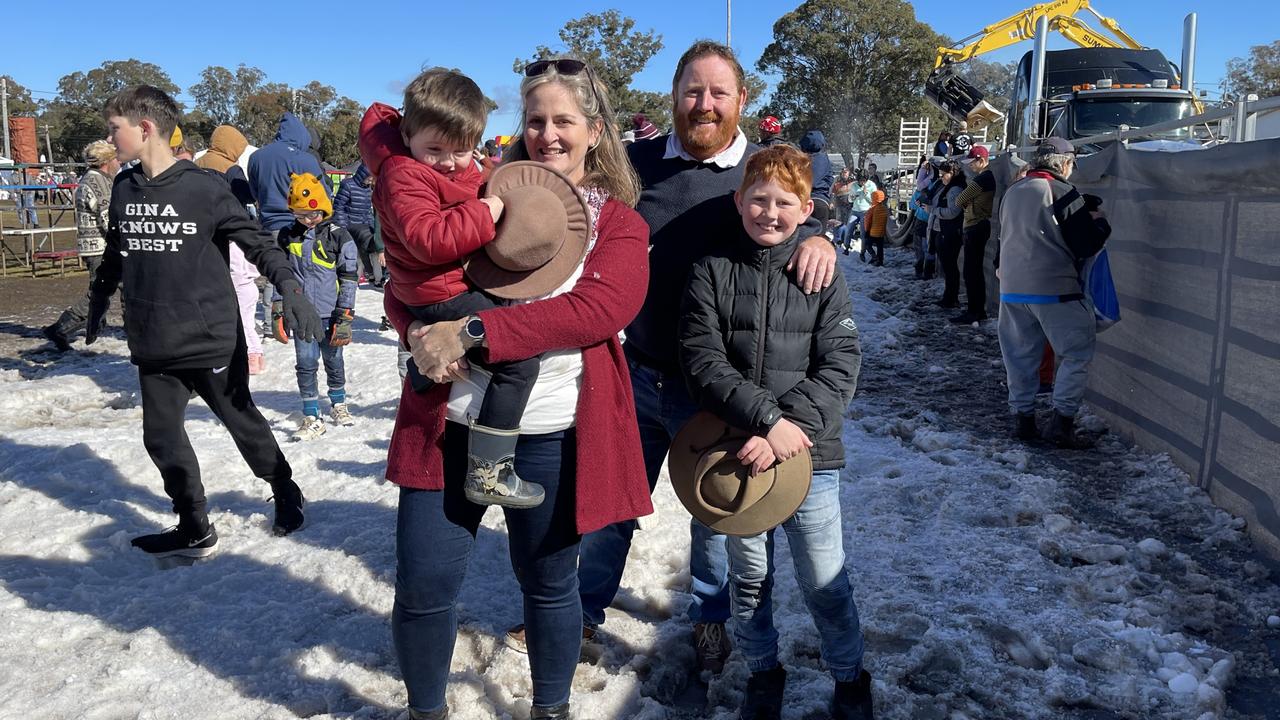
x=368, y=50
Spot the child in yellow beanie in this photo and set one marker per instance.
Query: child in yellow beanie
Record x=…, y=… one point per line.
x=324, y=259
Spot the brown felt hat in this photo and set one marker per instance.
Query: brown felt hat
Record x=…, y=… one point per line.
x=541, y=237
x=718, y=490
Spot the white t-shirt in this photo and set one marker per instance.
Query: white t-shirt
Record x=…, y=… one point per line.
x=553, y=401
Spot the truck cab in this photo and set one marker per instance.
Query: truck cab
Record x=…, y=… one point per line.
x=1090, y=91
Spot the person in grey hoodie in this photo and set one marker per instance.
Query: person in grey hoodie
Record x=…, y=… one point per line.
x=271, y=167
x=1047, y=231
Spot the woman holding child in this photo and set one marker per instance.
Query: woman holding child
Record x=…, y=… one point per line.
x=578, y=439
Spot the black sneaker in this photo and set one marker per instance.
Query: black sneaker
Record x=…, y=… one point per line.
x=763, y=699
x=289, y=506
x=178, y=540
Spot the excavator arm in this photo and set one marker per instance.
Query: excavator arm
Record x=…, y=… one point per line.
x=958, y=98
x=1022, y=26
x=1079, y=32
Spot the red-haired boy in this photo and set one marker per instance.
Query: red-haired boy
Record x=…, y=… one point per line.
x=767, y=358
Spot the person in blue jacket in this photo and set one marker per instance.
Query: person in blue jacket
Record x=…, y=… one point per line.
x=815, y=144
x=272, y=167
x=324, y=259
x=353, y=210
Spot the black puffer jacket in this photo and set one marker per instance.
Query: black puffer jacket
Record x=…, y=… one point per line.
x=755, y=348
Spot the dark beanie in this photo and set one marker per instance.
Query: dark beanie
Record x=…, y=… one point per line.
x=644, y=129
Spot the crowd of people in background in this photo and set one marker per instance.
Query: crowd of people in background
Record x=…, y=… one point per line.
x=512, y=374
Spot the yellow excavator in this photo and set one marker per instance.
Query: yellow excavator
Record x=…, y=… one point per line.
x=1102, y=67
x=1022, y=26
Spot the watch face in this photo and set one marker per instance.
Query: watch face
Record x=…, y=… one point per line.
x=475, y=328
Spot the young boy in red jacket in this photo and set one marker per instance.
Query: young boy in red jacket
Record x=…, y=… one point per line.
x=427, y=200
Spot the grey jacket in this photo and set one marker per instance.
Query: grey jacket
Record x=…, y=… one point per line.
x=1046, y=234
x=324, y=261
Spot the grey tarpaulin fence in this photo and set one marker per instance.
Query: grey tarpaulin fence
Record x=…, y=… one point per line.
x=1193, y=369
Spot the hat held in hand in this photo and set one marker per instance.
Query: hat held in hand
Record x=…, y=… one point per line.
x=541, y=237
x=720, y=492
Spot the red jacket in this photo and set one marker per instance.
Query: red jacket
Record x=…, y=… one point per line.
x=611, y=481
x=430, y=222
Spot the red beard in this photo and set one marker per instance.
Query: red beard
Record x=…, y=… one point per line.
x=705, y=140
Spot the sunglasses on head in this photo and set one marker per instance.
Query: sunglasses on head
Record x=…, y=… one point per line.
x=564, y=66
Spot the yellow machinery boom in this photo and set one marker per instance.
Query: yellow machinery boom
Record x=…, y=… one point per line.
x=1022, y=26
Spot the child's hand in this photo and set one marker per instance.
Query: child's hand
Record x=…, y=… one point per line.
x=787, y=440
x=495, y=207
x=757, y=453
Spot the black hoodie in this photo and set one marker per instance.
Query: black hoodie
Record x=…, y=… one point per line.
x=168, y=239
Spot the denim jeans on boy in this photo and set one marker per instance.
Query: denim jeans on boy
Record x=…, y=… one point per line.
x=817, y=549
x=663, y=406
x=435, y=531
x=309, y=355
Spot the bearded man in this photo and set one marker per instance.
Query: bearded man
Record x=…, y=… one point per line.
x=688, y=179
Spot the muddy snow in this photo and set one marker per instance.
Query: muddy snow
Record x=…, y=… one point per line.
x=994, y=580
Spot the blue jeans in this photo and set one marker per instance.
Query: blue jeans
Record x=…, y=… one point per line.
x=308, y=355
x=26, y=207
x=663, y=406
x=817, y=549
x=435, y=531
x=844, y=232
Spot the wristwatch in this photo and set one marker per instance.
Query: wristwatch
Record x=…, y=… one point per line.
x=473, y=331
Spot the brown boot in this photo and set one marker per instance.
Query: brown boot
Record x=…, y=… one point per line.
x=711, y=643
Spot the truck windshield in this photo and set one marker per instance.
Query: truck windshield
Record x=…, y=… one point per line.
x=1097, y=116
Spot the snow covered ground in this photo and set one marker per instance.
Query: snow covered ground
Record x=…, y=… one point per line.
x=993, y=580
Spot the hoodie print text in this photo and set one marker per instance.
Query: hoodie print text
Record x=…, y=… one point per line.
x=153, y=232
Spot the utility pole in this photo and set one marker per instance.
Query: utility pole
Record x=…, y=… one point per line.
x=47, y=144
x=4, y=112
x=728, y=23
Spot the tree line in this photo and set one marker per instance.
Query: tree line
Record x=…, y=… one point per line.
x=242, y=97
x=850, y=68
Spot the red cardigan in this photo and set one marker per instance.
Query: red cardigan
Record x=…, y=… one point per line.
x=430, y=222
x=611, y=481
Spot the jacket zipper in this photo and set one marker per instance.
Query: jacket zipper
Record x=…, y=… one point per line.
x=764, y=316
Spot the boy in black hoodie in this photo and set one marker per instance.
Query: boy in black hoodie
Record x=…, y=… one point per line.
x=168, y=234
